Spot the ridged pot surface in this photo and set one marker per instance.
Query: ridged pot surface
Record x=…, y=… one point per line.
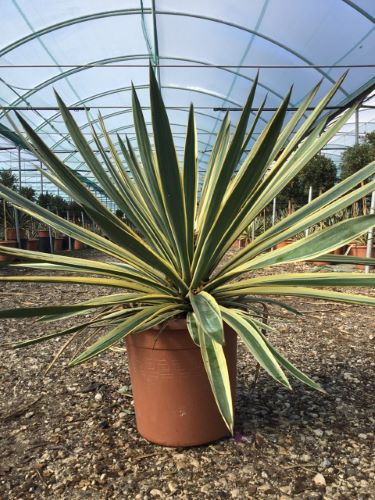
x=174, y=405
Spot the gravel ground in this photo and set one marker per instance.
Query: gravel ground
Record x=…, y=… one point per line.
x=71, y=434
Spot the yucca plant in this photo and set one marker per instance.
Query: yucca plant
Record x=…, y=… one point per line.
x=176, y=269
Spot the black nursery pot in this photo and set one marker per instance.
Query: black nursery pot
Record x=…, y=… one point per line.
x=45, y=244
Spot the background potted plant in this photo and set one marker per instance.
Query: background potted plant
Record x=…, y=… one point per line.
x=58, y=241
x=32, y=242
x=358, y=248
x=6, y=216
x=179, y=306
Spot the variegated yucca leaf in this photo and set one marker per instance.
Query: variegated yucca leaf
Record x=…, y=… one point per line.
x=168, y=263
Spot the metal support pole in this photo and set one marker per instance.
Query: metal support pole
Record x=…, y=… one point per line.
x=309, y=200
x=370, y=234
x=83, y=219
x=5, y=219
x=274, y=211
x=50, y=239
x=41, y=178
x=357, y=126
x=69, y=238
x=19, y=167
x=17, y=224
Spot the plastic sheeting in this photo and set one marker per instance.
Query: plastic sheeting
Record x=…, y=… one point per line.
x=206, y=52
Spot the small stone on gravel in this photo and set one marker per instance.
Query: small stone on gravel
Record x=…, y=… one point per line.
x=319, y=480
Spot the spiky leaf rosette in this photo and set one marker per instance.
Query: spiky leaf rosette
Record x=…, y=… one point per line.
x=172, y=269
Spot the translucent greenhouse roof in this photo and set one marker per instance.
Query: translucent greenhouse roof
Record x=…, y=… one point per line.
x=205, y=52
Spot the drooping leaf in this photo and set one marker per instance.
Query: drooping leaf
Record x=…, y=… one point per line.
x=132, y=324
x=208, y=314
x=217, y=371
x=192, y=326
x=255, y=343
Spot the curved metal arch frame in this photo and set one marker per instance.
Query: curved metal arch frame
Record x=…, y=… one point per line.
x=121, y=12
x=127, y=89
x=150, y=11
x=360, y=10
x=131, y=126
x=122, y=112
x=117, y=59
x=141, y=87
x=91, y=65
x=70, y=22
x=100, y=15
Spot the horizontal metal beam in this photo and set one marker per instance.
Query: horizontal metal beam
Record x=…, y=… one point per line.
x=56, y=108
x=41, y=108
x=65, y=74
x=178, y=66
x=100, y=15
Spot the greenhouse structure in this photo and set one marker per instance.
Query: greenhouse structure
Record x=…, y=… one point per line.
x=187, y=249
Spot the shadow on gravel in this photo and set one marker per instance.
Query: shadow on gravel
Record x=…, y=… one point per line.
x=350, y=392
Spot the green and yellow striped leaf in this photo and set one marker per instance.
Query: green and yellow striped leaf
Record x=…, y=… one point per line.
x=216, y=367
x=208, y=314
x=254, y=343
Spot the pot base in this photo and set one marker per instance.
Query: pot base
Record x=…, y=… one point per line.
x=174, y=405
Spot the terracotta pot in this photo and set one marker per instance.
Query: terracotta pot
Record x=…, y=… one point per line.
x=284, y=243
x=174, y=405
x=58, y=244
x=241, y=243
x=8, y=243
x=78, y=245
x=12, y=234
x=360, y=251
x=43, y=234
x=338, y=251
x=32, y=244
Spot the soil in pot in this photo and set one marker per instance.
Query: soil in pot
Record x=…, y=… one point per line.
x=8, y=243
x=174, y=404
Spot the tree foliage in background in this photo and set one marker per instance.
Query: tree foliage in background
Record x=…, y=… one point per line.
x=357, y=156
x=28, y=192
x=320, y=173
x=8, y=179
